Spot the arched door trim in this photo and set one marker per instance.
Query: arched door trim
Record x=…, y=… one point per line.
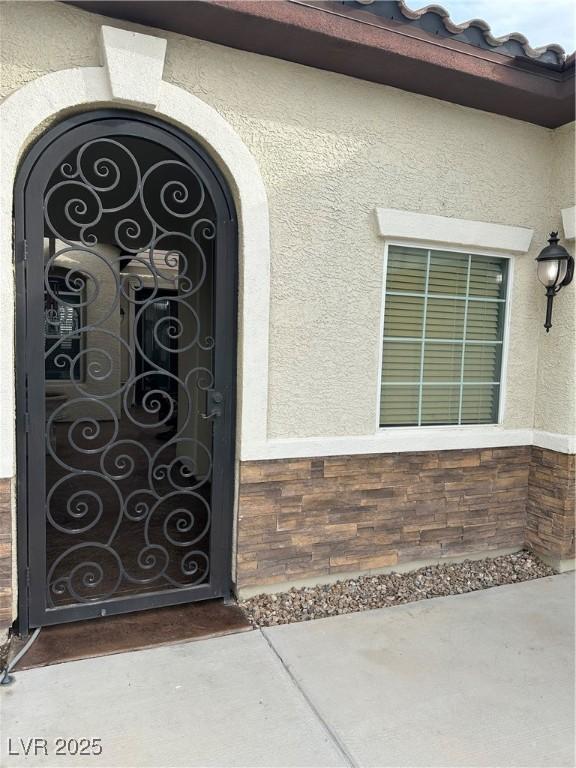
x=42, y=102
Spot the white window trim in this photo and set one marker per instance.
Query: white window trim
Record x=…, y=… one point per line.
x=463, y=233
x=422, y=244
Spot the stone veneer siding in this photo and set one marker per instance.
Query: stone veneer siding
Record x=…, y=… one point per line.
x=5, y=555
x=302, y=518
x=314, y=517
x=551, y=503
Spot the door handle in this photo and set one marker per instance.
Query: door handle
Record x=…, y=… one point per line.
x=214, y=413
x=214, y=401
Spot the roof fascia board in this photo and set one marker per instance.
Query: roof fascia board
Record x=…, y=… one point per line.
x=307, y=34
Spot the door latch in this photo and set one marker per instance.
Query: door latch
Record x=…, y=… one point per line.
x=214, y=402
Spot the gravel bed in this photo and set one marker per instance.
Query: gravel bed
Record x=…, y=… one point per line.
x=386, y=590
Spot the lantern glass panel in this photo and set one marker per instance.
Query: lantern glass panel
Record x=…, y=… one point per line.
x=549, y=272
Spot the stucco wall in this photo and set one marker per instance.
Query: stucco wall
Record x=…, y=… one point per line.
x=331, y=149
x=556, y=388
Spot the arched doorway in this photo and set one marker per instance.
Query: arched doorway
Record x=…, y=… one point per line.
x=126, y=334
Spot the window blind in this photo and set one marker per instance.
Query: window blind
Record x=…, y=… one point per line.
x=444, y=318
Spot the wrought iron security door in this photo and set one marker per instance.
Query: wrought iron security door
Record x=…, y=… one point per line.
x=126, y=335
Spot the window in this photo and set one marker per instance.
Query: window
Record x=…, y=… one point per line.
x=444, y=318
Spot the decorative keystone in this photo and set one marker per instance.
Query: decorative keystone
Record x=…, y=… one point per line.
x=134, y=64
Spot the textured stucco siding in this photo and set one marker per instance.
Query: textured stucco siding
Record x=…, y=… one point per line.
x=556, y=389
x=331, y=149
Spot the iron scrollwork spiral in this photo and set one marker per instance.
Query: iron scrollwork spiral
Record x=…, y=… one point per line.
x=128, y=279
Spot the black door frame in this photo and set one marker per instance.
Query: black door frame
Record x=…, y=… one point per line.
x=30, y=418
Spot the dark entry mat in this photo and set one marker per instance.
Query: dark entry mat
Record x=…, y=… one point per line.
x=131, y=632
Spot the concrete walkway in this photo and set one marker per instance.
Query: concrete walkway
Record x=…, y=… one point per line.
x=484, y=679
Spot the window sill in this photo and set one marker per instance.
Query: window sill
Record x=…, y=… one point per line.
x=393, y=440
x=451, y=437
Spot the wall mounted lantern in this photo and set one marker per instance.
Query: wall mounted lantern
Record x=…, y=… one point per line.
x=555, y=269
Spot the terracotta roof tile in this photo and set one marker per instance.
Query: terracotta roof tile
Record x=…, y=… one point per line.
x=435, y=20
